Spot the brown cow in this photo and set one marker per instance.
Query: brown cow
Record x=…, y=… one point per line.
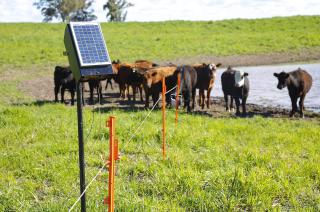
x=299, y=83
x=131, y=74
x=152, y=82
x=145, y=64
x=205, y=81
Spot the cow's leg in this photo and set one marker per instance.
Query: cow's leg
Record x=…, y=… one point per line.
x=155, y=97
x=187, y=100
x=140, y=90
x=100, y=93
x=202, y=98
x=237, y=100
x=120, y=90
x=147, y=99
x=244, y=109
x=231, y=104
x=294, y=105
x=91, y=89
x=56, y=91
x=301, y=105
x=62, y=93
x=208, y=97
x=193, y=98
x=226, y=102
x=110, y=84
x=128, y=92
x=134, y=90
x=72, y=96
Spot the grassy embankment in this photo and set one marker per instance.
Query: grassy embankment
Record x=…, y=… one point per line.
x=253, y=163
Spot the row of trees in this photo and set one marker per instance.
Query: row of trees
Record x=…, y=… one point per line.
x=80, y=10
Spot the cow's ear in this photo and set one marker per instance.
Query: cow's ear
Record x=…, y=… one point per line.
x=245, y=74
x=219, y=64
x=276, y=75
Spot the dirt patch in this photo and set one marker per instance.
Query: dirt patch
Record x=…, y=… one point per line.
x=252, y=60
x=41, y=89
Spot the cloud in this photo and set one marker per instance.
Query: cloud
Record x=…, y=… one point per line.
x=155, y=10
x=19, y=11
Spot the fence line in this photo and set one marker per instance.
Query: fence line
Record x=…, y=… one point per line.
x=135, y=132
x=131, y=138
x=93, y=179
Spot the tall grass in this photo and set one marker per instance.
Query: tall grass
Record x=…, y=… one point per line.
x=238, y=164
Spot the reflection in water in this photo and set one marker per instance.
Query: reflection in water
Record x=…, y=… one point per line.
x=263, y=86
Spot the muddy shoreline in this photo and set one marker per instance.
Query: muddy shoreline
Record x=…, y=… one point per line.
x=112, y=101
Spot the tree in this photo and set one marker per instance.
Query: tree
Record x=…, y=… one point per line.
x=85, y=13
x=66, y=10
x=116, y=9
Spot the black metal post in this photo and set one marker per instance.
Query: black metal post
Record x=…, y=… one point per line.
x=81, y=147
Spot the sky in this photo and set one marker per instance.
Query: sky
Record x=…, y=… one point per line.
x=161, y=10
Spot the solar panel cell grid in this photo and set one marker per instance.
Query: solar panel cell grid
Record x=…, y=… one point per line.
x=91, y=44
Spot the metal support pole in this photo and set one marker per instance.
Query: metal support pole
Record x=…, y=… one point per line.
x=81, y=147
x=177, y=98
x=163, y=118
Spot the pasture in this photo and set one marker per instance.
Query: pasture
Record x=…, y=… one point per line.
x=224, y=163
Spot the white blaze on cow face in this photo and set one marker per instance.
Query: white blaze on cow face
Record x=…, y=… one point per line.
x=239, y=78
x=212, y=66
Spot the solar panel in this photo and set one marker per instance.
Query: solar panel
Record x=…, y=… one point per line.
x=90, y=44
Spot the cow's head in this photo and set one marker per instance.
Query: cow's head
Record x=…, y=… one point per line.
x=283, y=79
x=239, y=78
x=149, y=77
x=212, y=68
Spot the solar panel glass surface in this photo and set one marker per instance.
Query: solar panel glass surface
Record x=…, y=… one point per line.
x=90, y=44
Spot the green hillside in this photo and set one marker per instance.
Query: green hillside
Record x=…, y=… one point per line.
x=25, y=44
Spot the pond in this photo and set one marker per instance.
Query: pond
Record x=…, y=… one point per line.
x=263, y=86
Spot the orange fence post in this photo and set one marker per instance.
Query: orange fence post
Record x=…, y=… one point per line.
x=177, y=98
x=163, y=118
x=113, y=155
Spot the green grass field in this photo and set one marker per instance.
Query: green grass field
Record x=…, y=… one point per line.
x=26, y=44
x=223, y=164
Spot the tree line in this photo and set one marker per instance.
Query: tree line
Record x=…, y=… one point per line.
x=81, y=10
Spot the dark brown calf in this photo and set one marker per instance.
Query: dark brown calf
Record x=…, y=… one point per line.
x=129, y=75
x=298, y=83
x=206, y=76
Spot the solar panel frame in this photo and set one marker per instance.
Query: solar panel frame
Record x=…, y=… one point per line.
x=81, y=60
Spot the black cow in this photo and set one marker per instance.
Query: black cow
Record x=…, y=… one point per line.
x=299, y=83
x=236, y=85
x=95, y=84
x=64, y=78
x=188, y=81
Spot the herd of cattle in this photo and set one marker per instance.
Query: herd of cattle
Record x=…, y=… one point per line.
x=145, y=75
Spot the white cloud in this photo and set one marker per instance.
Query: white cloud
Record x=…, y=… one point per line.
x=159, y=10
x=19, y=11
